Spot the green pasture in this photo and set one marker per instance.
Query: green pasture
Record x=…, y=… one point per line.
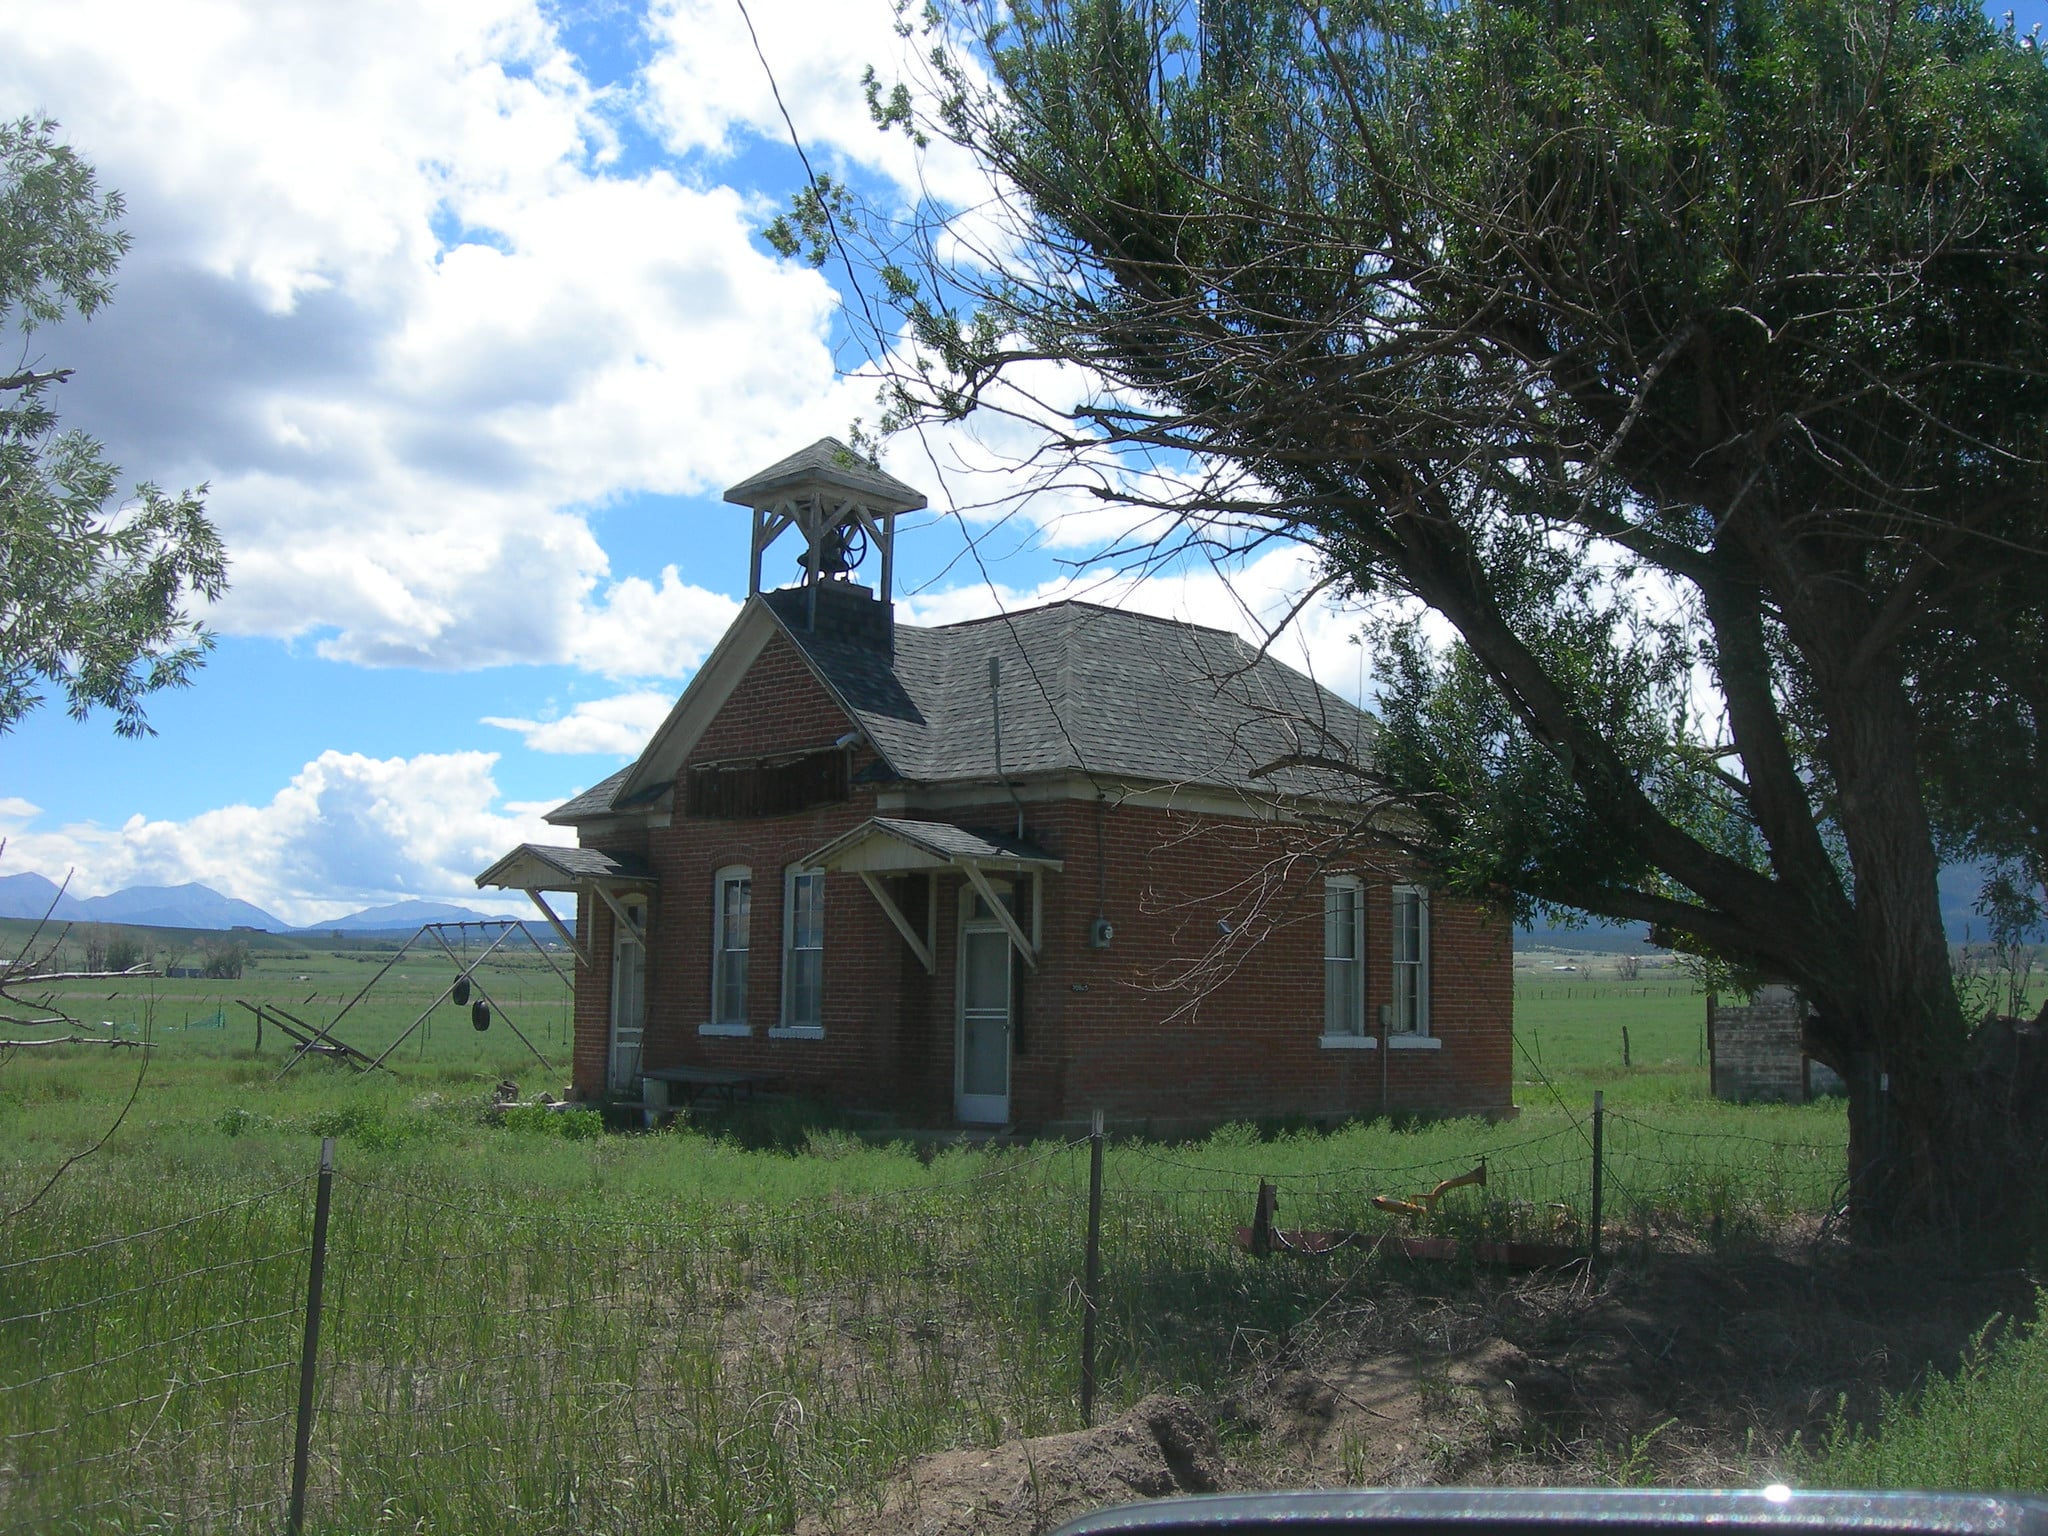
x=214, y=1109
x=538, y=1324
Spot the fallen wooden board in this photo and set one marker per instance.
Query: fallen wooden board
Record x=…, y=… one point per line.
x=1508, y=1255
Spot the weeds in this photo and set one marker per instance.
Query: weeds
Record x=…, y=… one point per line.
x=1984, y=1427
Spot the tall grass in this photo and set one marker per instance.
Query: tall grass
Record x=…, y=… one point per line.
x=629, y=1355
x=1984, y=1427
x=533, y=1326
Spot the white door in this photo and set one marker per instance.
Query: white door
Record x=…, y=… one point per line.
x=629, y=1000
x=982, y=1077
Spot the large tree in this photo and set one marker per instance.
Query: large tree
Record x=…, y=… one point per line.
x=1689, y=357
x=93, y=589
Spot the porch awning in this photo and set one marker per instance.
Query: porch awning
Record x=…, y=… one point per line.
x=883, y=845
x=537, y=867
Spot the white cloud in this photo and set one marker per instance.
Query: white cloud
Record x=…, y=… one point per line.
x=644, y=630
x=706, y=84
x=621, y=724
x=390, y=295
x=348, y=831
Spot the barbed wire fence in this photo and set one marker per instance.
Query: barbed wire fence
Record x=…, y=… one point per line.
x=497, y=1363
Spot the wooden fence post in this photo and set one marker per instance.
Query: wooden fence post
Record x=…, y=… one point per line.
x=1599, y=1127
x=309, y=1354
x=1092, y=1272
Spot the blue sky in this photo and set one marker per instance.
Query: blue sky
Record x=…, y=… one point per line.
x=461, y=312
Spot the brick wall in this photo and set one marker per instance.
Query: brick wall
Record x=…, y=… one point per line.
x=1757, y=1054
x=1174, y=1024
x=1178, y=1022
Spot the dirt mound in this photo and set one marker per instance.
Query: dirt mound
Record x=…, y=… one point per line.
x=1023, y=1487
x=1679, y=1369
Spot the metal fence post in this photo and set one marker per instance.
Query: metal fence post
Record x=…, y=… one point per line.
x=1092, y=1272
x=1599, y=1128
x=309, y=1354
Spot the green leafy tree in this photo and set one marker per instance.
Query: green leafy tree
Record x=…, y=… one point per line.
x=1687, y=357
x=93, y=591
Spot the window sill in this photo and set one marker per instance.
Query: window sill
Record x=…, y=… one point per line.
x=736, y=1031
x=1414, y=1043
x=1350, y=1043
x=797, y=1032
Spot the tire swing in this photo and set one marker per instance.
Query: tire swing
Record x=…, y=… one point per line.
x=480, y=1015
x=459, y=993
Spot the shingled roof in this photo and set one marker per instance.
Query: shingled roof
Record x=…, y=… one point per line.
x=602, y=799
x=1086, y=689
x=828, y=462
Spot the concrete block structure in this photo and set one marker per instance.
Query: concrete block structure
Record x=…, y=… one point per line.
x=1757, y=1054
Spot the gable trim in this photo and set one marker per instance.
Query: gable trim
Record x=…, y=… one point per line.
x=713, y=687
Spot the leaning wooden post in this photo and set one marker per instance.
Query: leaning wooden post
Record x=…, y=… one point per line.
x=1262, y=1219
x=309, y=1353
x=1599, y=1128
x=1092, y=1272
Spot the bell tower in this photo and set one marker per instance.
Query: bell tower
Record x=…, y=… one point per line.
x=845, y=509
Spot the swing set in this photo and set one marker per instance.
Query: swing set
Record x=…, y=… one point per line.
x=466, y=989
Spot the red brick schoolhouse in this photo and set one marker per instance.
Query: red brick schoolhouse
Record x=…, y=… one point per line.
x=1006, y=872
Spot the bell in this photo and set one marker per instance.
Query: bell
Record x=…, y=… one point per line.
x=459, y=993
x=480, y=1015
x=840, y=551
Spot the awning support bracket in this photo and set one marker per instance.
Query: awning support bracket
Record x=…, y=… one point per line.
x=1002, y=912
x=899, y=922
x=625, y=930
x=561, y=930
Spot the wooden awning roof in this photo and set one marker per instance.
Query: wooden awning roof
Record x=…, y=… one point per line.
x=885, y=845
x=540, y=867
x=537, y=867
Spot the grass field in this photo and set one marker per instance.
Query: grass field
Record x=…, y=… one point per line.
x=532, y=1324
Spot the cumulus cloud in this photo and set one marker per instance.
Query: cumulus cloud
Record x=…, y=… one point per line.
x=648, y=629
x=705, y=87
x=404, y=312
x=621, y=725
x=348, y=831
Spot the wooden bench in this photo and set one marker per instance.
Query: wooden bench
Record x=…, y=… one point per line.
x=685, y=1085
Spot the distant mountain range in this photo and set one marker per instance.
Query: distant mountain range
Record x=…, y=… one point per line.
x=200, y=906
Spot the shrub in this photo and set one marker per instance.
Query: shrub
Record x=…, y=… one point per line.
x=1985, y=1427
x=540, y=1120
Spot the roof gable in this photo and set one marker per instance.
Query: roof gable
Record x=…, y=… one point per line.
x=1084, y=689
x=1088, y=689
x=694, y=714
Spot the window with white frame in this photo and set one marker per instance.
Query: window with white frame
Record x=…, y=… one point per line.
x=1343, y=956
x=803, y=949
x=1411, y=960
x=733, y=903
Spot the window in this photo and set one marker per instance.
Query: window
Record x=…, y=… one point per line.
x=1343, y=957
x=803, y=950
x=734, y=900
x=1411, y=961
